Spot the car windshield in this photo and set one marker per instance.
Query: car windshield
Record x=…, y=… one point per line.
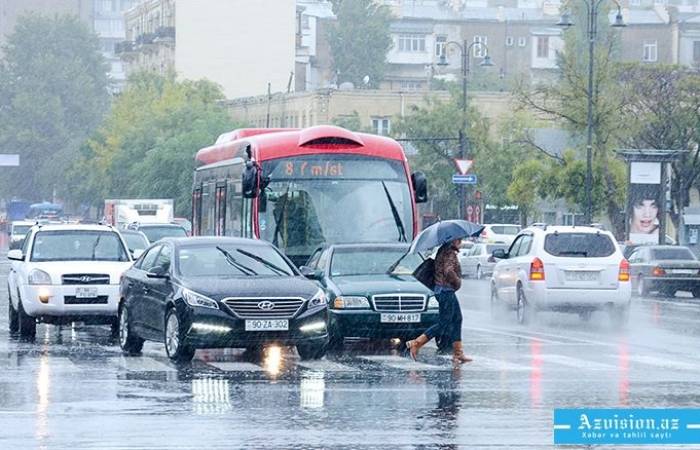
x=673, y=253
x=511, y=230
x=20, y=229
x=579, y=245
x=372, y=261
x=232, y=260
x=157, y=233
x=78, y=245
x=302, y=202
x=135, y=241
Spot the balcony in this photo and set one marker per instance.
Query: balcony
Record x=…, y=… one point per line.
x=124, y=48
x=165, y=34
x=145, y=39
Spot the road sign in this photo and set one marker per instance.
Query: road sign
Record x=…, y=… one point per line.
x=463, y=165
x=464, y=179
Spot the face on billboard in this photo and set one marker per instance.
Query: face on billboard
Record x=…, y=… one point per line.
x=644, y=217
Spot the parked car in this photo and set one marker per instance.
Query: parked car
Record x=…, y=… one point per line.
x=184, y=223
x=665, y=269
x=18, y=231
x=136, y=242
x=478, y=261
x=497, y=233
x=218, y=292
x=368, y=301
x=562, y=268
x=66, y=273
x=157, y=231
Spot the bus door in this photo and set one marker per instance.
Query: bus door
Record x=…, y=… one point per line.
x=220, y=207
x=196, y=211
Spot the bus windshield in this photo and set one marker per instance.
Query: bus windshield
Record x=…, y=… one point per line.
x=313, y=200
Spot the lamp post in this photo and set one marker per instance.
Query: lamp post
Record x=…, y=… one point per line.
x=464, y=49
x=592, y=10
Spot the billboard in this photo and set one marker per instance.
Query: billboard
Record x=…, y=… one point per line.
x=645, y=200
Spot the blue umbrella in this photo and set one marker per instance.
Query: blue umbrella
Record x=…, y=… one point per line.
x=445, y=231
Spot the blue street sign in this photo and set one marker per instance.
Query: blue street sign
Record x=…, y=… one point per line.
x=464, y=179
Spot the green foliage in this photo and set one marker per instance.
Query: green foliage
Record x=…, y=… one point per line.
x=523, y=190
x=53, y=94
x=146, y=147
x=360, y=41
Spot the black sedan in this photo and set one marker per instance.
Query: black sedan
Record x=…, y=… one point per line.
x=367, y=301
x=665, y=269
x=219, y=292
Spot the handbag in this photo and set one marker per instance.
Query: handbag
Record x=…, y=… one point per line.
x=425, y=273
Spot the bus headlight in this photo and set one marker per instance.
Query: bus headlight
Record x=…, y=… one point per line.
x=433, y=303
x=351, y=302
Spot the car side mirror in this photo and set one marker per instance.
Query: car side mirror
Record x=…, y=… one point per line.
x=158, y=272
x=250, y=180
x=310, y=273
x=499, y=253
x=15, y=255
x=420, y=187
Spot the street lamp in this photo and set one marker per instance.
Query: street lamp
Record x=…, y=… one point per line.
x=464, y=49
x=592, y=9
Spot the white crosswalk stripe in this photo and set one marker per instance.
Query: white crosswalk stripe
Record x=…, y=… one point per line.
x=403, y=363
x=575, y=362
x=236, y=366
x=324, y=365
x=664, y=363
x=140, y=364
x=483, y=362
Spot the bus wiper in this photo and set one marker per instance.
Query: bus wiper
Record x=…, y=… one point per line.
x=264, y=262
x=395, y=213
x=232, y=261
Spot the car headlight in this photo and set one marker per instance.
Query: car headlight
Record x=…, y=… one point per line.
x=194, y=299
x=433, y=303
x=319, y=299
x=37, y=276
x=351, y=302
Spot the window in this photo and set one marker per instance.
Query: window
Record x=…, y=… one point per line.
x=681, y=253
x=148, y=260
x=525, y=244
x=509, y=41
x=440, y=44
x=635, y=2
x=412, y=42
x=381, y=125
x=408, y=85
x=543, y=46
x=163, y=259
x=522, y=42
x=649, y=50
x=480, y=50
x=696, y=52
x=581, y=245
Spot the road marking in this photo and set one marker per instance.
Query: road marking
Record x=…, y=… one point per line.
x=236, y=366
x=403, y=363
x=495, y=364
x=140, y=364
x=575, y=362
x=326, y=366
x=511, y=334
x=663, y=362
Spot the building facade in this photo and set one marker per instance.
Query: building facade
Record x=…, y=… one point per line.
x=313, y=63
x=108, y=23
x=150, y=37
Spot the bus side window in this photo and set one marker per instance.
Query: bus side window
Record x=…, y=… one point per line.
x=247, y=218
x=196, y=211
x=234, y=209
x=208, y=210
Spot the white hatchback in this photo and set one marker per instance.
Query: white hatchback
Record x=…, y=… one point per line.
x=499, y=233
x=565, y=269
x=66, y=273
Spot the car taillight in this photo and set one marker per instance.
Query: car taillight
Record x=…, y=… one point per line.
x=658, y=272
x=536, y=270
x=624, y=274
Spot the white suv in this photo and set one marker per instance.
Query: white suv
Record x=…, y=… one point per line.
x=66, y=273
x=566, y=269
x=499, y=233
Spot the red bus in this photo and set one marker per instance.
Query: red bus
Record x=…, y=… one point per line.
x=301, y=188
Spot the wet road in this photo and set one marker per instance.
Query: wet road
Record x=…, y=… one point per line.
x=73, y=389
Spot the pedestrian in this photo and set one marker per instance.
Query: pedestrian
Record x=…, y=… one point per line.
x=448, y=280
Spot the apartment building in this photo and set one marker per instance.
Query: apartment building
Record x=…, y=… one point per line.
x=108, y=23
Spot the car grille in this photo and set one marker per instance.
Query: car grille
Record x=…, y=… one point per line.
x=399, y=302
x=85, y=278
x=73, y=300
x=249, y=308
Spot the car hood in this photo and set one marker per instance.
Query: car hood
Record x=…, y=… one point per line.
x=220, y=288
x=58, y=268
x=368, y=285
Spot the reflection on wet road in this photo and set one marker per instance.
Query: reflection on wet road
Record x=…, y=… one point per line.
x=72, y=388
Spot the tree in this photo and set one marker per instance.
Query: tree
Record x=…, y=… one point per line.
x=523, y=190
x=360, y=40
x=146, y=147
x=53, y=94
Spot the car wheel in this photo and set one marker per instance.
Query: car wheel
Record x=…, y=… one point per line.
x=642, y=289
x=27, y=324
x=311, y=351
x=176, y=345
x=620, y=316
x=129, y=342
x=12, y=316
x=696, y=292
x=523, y=310
x=479, y=273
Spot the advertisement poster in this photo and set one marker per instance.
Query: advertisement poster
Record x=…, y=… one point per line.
x=645, y=200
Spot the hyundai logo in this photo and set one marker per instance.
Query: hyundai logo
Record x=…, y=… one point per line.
x=266, y=305
x=85, y=279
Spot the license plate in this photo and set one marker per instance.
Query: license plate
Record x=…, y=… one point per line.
x=267, y=325
x=85, y=292
x=581, y=276
x=683, y=271
x=400, y=318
